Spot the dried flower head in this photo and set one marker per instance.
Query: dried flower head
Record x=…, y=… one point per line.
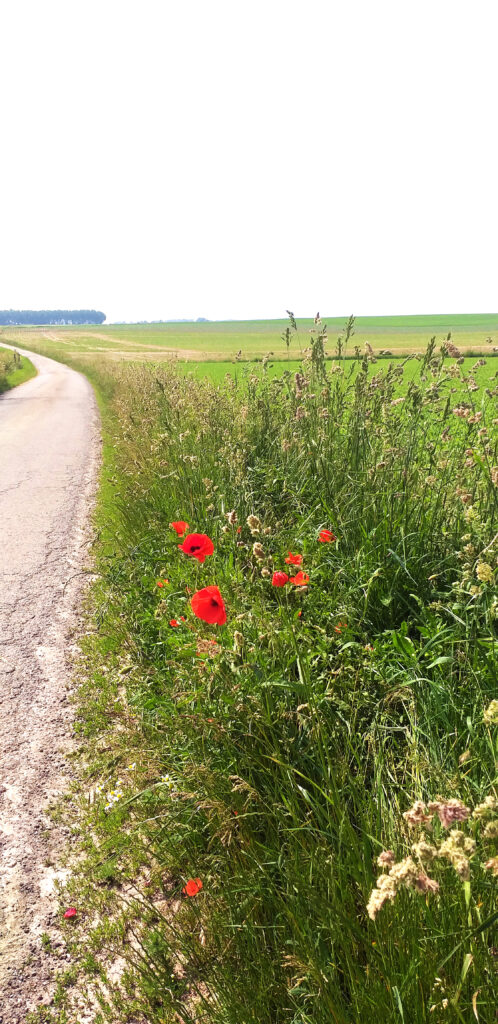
x=490, y=716
x=386, y=859
x=238, y=640
x=449, y=811
x=417, y=815
x=491, y=830
x=484, y=572
x=424, y=851
x=258, y=551
x=487, y=808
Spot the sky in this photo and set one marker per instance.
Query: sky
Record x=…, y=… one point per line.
x=232, y=160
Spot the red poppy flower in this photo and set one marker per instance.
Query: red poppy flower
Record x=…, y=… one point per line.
x=70, y=912
x=209, y=606
x=173, y=622
x=340, y=626
x=162, y=583
x=279, y=579
x=193, y=886
x=180, y=527
x=326, y=536
x=293, y=559
x=198, y=545
x=300, y=579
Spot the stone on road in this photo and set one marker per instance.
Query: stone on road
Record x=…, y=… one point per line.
x=49, y=455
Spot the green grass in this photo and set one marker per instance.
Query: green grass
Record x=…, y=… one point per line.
x=295, y=744
x=255, y=338
x=14, y=371
x=217, y=371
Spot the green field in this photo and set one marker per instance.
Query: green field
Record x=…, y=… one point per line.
x=216, y=372
x=222, y=340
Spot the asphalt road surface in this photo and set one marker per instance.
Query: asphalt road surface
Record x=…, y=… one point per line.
x=49, y=456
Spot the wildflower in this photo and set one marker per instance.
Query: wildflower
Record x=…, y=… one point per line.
x=457, y=849
x=293, y=559
x=449, y=811
x=490, y=716
x=386, y=890
x=301, y=579
x=464, y=758
x=266, y=572
x=494, y=476
x=209, y=647
x=162, y=583
x=492, y=865
x=238, y=641
x=167, y=781
x=258, y=552
x=253, y=523
x=70, y=912
x=131, y=767
x=417, y=815
x=425, y=884
x=279, y=579
x=207, y=604
x=491, y=830
x=340, y=627
x=232, y=517
x=198, y=545
x=484, y=572
x=487, y=808
x=193, y=886
x=424, y=851
x=173, y=622
x=326, y=536
x=386, y=859
x=404, y=873
x=180, y=527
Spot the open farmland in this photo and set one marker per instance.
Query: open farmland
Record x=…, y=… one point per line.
x=290, y=798
x=255, y=338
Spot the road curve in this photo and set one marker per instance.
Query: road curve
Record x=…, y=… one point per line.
x=49, y=456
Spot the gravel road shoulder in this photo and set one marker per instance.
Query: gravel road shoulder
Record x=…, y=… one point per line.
x=49, y=461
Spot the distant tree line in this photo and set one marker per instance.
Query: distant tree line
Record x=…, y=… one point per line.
x=51, y=316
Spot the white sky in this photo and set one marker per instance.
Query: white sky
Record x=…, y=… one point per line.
x=233, y=159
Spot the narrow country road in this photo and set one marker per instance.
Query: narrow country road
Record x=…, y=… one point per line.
x=49, y=454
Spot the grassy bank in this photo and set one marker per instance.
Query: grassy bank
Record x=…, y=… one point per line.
x=14, y=369
x=244, y=777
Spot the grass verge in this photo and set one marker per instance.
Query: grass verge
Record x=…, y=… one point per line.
x=14, y=370
x=242, y=779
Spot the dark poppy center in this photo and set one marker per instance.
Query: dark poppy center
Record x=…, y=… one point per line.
x=195, y=547
x=214, y=602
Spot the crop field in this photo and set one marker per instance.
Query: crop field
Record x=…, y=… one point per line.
x=222, y=340
x=288, y=694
